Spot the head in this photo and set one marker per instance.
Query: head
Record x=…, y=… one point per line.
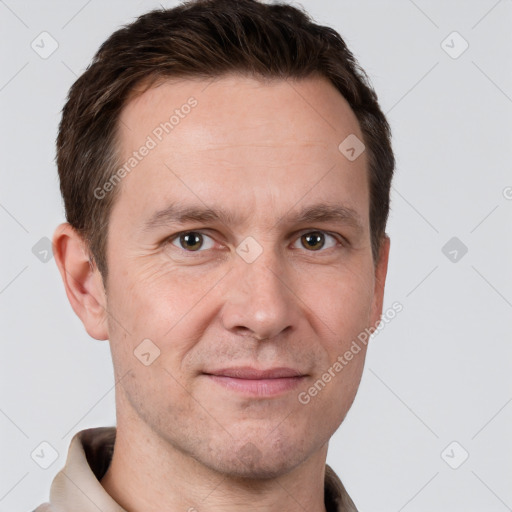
x=210, y=211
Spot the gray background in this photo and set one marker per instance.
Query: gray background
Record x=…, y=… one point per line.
x=439, y=372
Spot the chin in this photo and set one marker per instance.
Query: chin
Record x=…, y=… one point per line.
x=258, y=463
x=259, y=470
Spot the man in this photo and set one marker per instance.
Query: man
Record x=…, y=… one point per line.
x=225, y=169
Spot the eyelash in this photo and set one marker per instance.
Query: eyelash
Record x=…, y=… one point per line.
x=338, y=238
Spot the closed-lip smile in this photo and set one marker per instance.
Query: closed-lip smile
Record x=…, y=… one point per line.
x=257, y=382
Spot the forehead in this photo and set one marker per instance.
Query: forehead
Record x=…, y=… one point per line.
x=253, y=144
x=310, y=108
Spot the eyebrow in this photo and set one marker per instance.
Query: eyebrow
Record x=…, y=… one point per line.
x=320, y=212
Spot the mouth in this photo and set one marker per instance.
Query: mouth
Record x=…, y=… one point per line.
x=254, y=382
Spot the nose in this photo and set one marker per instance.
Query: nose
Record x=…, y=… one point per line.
x=259, y=302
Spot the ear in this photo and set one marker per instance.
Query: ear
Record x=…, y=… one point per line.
x=82, y=280
x=381, y=270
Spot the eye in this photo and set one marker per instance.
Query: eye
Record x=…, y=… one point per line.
x=316, y=240
x=192, y=241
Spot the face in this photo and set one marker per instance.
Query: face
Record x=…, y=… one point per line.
x=239, y=245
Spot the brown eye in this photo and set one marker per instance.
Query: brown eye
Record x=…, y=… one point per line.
x=192, y=241
x=314, y=240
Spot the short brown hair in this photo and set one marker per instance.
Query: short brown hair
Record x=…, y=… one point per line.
x=204, y=39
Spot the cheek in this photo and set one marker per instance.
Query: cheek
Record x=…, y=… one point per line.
x=161, y=291
x=162, y=303
x=342, y=300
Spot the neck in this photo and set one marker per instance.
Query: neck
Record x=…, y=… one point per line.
x=147, y=474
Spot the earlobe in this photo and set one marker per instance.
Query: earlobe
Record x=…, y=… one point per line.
x=82, y=280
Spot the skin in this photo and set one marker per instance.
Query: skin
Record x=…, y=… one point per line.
x=261, y=151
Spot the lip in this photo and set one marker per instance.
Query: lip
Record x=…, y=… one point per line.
x=255, y=382
x=248, y=372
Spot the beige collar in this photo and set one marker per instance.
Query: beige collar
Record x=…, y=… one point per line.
x=77, y=486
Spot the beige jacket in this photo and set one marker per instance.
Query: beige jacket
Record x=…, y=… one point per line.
x=77, y=487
